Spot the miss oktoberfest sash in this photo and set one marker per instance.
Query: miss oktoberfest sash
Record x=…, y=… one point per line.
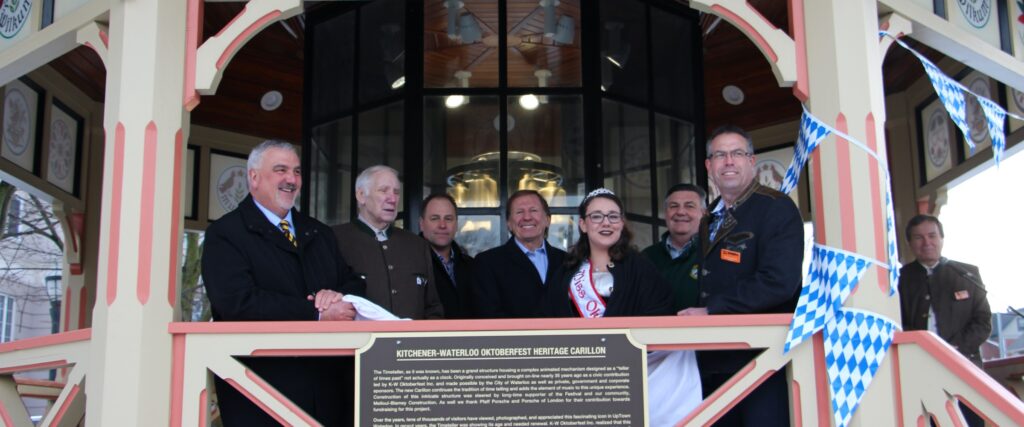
x=589, y=303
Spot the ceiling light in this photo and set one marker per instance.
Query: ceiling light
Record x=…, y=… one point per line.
x=529, y=101
x=617, y=51
x=454, y=101
x=733, y=95
x=399, y=82
x=271, y=100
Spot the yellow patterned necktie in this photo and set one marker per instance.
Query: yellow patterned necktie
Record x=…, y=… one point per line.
x=287, y=229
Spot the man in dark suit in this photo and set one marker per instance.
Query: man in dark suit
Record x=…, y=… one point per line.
x=752, y=247
x=452, y=266
x=510, y=279
x=267, y=261
x=396, y=263
x=943, y=296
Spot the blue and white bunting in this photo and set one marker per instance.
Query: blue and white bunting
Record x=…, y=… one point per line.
x=890, y=239
x=831, y=277
x=812, y=131
x=996, y=116
x=856, y=342
x=952, y=97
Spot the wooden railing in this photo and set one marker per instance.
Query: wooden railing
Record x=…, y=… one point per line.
x=929, y=376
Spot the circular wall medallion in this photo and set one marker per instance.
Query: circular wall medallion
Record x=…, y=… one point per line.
x=13, y=15
x=16, y=126
x=976, y=12
x=976, y=119
x=937, y=138
x=61, y=142
x=231, y=187
x=770, y=173
x=271, y=100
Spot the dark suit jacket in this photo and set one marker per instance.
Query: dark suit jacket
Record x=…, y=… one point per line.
x=507, y=283
x=955, y=290
x=639, y=290
x=399, y=272
x=252, y=272
x=457, y=298
x=753, y=265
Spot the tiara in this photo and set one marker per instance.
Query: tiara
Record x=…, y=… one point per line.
x=598, y=192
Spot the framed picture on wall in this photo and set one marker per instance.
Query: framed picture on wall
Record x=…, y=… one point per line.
x=1015, y=105
x=22, y=126
x=771, y=166
x=984, y=86
x=228, y=184
x=64, y=148
x=936, y=149
x=191, y=182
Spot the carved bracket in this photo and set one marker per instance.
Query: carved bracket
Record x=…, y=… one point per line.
x=212, y=57
x=95, y=36
x=775, y=44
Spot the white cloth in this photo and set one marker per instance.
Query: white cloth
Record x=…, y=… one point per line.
x=366, y=310
x=673, y=386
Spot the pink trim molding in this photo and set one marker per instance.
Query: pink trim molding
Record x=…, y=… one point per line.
x=143, y=285
x=113, y=249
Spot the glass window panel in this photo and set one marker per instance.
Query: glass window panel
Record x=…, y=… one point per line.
x=642, y=237
x=332, y=62
x=624, y=49
x=381, y=50
x=460, y=147
x=564, y=231
x=380, y=139
x=627, y=161
x=460, y=40
x=546, y=147
x=675, y=153
x=671, y=56
x=330, y=186
x=478, y=233
x=544, y=43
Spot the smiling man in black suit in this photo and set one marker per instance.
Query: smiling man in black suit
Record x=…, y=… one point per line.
x=511, y=278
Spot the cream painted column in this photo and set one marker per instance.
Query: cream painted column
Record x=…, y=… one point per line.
x=129, y=381
x=845, y=90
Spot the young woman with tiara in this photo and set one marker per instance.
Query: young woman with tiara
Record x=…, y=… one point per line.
x=606, y=276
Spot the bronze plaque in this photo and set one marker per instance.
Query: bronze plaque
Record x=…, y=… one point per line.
x=502, y=380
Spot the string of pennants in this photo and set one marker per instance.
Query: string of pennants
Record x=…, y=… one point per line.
x=856, y=341
x=953, y=97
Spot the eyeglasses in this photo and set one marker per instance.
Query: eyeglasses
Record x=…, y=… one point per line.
x=735, y=154
x=598, y=217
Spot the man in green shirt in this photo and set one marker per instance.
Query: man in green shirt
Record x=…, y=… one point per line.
x=677, y=253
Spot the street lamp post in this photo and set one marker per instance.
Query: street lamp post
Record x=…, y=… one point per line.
x=54, y=291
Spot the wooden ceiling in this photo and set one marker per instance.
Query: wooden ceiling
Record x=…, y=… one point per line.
x=273, y=60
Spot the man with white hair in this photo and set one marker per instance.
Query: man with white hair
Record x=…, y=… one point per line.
x=396, y=264
x=265, y=260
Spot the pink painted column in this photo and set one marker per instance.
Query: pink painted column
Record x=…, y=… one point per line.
x=129, y=379
x=844, y=85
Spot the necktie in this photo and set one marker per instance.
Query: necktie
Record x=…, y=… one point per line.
x=381, y=236
x=287, y=229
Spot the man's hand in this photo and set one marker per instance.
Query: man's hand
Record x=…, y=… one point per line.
x=324, y=299
x=339, y=311
x=693, y=311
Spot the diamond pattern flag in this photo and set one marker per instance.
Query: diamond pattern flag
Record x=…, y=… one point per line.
x=812, y=131
x=952, y=96
x=831, y=278
x=996, y=116
x=890, y=239
x=855, y=345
